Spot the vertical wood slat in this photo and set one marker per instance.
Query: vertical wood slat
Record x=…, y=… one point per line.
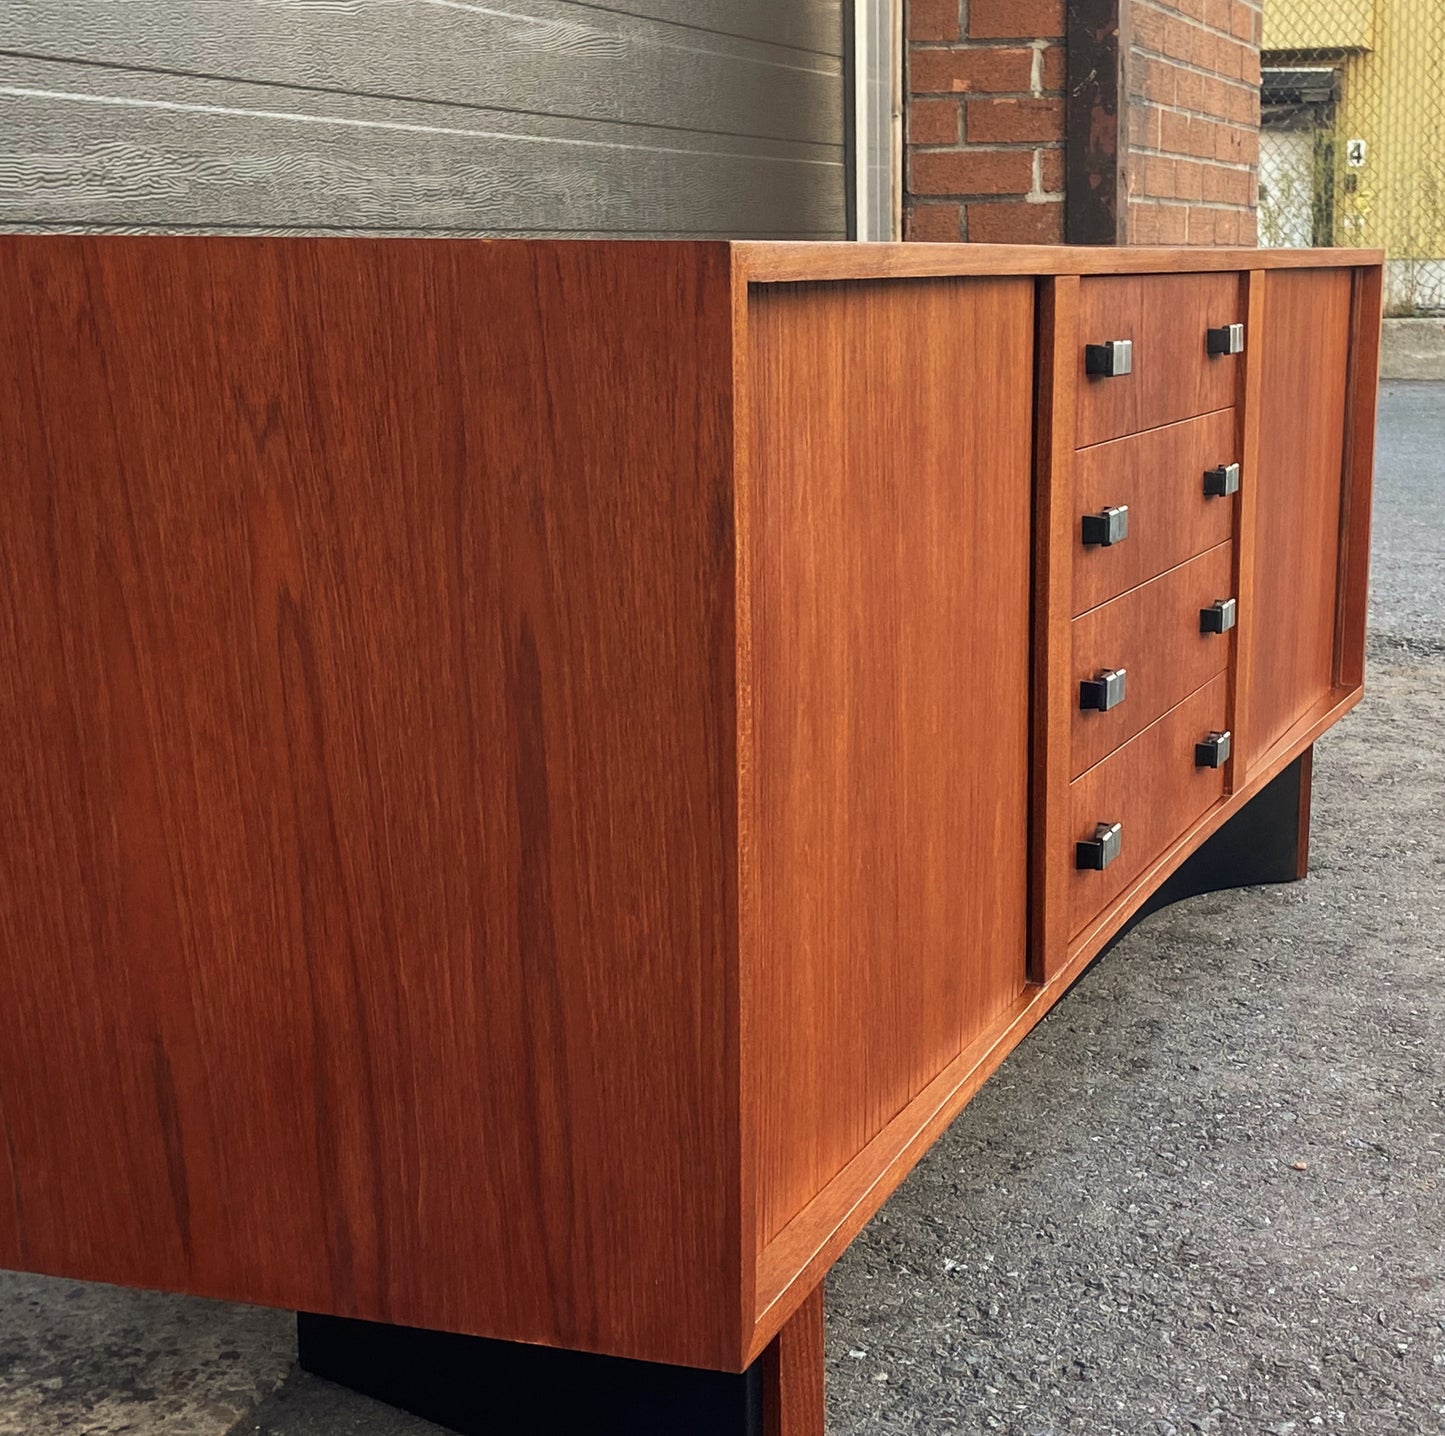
x=1245, y=516
x=1051, y=719
x=1362, y=391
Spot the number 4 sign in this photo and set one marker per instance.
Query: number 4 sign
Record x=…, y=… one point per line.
x=1354, y=153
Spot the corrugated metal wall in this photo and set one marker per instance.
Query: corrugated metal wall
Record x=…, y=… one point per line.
x=658, y=117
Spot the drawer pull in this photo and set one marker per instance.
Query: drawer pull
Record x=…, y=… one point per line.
x=1221, y=481
x=1219, y=617
x=1110, y=359
x=1104, y=692
x=1213, y=752
x=1096, y=853
x=1107, y=527
x=1227, y=339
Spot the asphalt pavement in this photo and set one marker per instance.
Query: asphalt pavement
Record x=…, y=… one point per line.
x=1207, y=1194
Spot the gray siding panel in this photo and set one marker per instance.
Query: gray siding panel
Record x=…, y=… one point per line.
x=541, y=116
x=90, y=146
x=536, y=56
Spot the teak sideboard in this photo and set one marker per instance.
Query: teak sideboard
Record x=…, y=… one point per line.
x=540, y=776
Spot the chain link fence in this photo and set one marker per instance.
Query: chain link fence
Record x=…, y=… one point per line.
x=1352, y=140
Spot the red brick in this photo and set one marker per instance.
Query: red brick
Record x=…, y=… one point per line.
x=972, y=172
x=1188, y=179
x=1188, y=89
x=1242, y=22
x=1055, y=67
x=1173, y=133
x=934, y=223
x=1201, y=225
x=932, y=19
x=1158, y=82
x=933, y=122
x=1181, y=39
x=1013, y=121
x=989, y=71
x=1241, y=105
x=1158, y=223
x=1015, y=19
x=1051, y=171
x=1216, y=13
x=1248, y=221
x=1015, y=222
x=1149, y=26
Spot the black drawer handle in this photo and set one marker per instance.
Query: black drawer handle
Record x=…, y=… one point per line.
x=1104, y=692
x=1219, y=617
x=1096, y=853
x=1107, y=527
x=1109, y=359
x=1213, y=752
x=1221, y=481
x=1227, y=339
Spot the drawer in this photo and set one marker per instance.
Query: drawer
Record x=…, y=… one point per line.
x=1166, y=318
x=1159, y=478
x=1154, y=634
x=1154, y=788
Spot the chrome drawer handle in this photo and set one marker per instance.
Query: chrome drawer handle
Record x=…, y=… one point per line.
x=1107, y=527
x=1104, y=692
x=1227, y=339
x=1221, y=481
x=1096, y=853
x=1219, y=617
x=1109, y=359
x=1213, y=752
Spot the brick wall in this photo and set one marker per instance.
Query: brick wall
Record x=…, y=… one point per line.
x=986, y=121
x=1194, y=121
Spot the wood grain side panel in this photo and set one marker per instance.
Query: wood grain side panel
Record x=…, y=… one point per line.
x=1160, y=476
x=1166, y=316
x=793, y=1396
x=366, y=737
x=1291, y=625
x=891, y=451
x=1152, y=789
x=1152, y=633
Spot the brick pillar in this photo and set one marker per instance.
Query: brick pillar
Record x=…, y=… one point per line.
x=1194, y=121
x=985, y=121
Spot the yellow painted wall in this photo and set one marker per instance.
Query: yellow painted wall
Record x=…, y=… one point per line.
x=1319, y=24
x=1391, y=58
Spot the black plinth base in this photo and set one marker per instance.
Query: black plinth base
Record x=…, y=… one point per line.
x=503, y=1388
x=1262, y=843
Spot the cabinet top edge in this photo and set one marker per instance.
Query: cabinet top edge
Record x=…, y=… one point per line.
x=780, y=262
x=787, y=261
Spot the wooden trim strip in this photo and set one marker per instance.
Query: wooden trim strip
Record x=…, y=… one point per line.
x=785, y=262
x=1362, y=396
x=1052, y=714
x=1245, y=519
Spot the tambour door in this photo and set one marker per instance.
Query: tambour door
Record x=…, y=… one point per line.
x=885, y=811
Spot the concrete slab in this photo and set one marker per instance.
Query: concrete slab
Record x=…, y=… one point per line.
x=1413, y=349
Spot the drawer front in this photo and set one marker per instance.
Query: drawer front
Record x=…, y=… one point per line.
x=1166, y=318
x=1159, y=478
x=1154, y=634
x=1153, y=789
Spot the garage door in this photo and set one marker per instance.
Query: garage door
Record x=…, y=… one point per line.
x=641, y=117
